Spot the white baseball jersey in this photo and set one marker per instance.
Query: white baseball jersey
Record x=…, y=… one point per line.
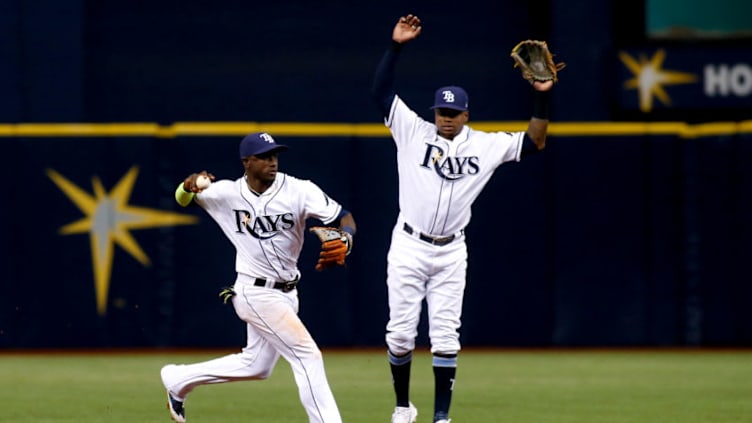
x=267, y=230
x=440, y=179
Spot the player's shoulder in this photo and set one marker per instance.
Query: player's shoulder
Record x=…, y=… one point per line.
x=285, y=181
x=296, y=184
x=401, y=110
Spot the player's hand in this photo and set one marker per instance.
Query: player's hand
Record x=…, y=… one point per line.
x=335, y=246
x=407, y=29
x=190, y=184
x=543, y=85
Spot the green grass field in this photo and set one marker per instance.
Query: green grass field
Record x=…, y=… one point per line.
x=492, y=386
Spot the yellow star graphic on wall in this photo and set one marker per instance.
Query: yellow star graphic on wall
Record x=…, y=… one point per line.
x=108, y=220
x=649, y=78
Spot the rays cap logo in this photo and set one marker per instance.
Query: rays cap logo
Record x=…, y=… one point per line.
x=259, y=143
x=451, y=97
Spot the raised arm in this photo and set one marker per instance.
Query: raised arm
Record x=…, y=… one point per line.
x=407, y=29
x=536, y=63
x=382, y=90
x=537, y=128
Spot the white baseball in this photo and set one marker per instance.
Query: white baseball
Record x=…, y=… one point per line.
x=203, y=182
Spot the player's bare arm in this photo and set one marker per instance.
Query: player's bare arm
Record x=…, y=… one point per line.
x=536, y=130
x=347, y=225
x=538, y=127
x=543, y=85
x=407, y=29
x=382, y=89
x=347, y=221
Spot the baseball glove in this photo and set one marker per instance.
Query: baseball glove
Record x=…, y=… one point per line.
x=535, y=61
x=335, y=246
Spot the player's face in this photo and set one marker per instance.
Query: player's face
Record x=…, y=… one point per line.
x=262, y=167
x=449, y=122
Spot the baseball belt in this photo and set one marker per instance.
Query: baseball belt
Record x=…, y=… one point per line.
x=428, y=238
x=285, y=286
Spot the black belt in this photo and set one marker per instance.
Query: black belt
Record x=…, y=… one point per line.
x=282, y=286
x=428, y=238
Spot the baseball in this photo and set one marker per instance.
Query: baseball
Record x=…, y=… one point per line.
x=203, y=182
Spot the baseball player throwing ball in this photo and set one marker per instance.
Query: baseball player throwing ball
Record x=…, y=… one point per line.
x=443, y=166
x=263, y=214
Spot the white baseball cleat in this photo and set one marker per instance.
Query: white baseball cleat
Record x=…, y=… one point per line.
x=405, y=414
x=443, y=421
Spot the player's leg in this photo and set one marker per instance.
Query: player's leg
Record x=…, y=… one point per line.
x=444, y=372
x=274, y=315
x=444, y=299
x=406, y=290
x=308, y=369
x=255, y=361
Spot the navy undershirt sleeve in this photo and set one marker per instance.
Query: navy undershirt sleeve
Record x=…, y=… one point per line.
x=528, y=146
x=382, y=90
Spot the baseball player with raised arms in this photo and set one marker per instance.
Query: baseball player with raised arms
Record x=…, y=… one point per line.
x=443, y=166
x=263, y=214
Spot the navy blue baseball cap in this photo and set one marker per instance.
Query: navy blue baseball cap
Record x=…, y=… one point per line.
x=259, y=143
x=451, y=97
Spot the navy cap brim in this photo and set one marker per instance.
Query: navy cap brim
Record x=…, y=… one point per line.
x=449, y=106
x=277, y=147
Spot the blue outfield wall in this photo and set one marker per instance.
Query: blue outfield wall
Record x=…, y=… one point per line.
x=600, y=240
x=630, y=229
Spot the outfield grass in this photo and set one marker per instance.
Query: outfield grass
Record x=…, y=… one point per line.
x=492, y=386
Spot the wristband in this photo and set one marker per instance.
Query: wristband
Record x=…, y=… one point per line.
x=349, y=229
x=541, y=100
x=349, y=232
x=182, y=196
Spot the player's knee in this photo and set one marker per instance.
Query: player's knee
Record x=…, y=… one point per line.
x=317, y=355
x=266, y=374
x=399, y=344
x=448, y=346
x=310, y=354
